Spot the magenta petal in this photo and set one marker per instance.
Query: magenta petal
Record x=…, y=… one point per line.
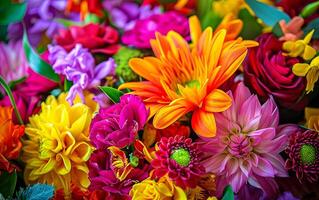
x=264, y=168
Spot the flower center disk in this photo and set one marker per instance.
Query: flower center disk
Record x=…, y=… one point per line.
x=308, y=154
x=181, y=156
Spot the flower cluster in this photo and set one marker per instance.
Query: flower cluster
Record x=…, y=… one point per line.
x=159, y=99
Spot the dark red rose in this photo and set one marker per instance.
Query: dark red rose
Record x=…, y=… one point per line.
x=268, y=72
x=97, y=38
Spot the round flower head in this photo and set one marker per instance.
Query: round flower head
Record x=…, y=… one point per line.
x=10, y=135
x=247, y=145
x=180, y=159
x=58, y=144
x=117, y=125
x=181, y=79
x=303, y=155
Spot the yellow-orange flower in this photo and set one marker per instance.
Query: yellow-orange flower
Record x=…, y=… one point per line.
x=180, y=79
x=163, y=189
x=10, y=144
x=312, y=118
x=58, y=144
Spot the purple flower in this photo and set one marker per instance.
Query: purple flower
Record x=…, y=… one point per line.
x=144, y=30
x=79, y=67
x=117, y=125
x=41, y=17
x=125, y=14
x=13, y=62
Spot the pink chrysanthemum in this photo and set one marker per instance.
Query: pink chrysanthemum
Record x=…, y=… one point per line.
x=180, y=159
x=303, y=153
x=248, y=142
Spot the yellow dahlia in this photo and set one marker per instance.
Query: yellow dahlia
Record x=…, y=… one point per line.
x=58, y=144
x=181, y=79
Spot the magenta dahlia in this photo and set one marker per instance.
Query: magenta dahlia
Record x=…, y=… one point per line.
x=247, y=145
x=303, y=153
x=178, y=157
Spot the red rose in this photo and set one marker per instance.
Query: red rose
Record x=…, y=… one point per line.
x=97, y=38
x=268, y=72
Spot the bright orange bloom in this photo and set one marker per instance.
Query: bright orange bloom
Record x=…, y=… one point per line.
x=181, y=79
x=10, y=134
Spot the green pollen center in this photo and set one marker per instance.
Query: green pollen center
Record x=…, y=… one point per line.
x=181, y=156
x=308, y=154
x=193, y=84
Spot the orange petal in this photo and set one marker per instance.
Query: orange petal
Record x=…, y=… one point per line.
x=167, y=115
x=217, y=101
x=195, y=28
x=144, y=68
x=203, y=123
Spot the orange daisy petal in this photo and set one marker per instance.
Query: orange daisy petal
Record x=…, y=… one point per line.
x=204, y=123
x=217, y=101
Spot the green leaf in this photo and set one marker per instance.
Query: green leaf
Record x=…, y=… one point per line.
x=276, y=30
x=68, y=23
x=314, y=24
x=228, y=193
x=91, y=18
x=309, y=9
x=204, y=7
x=251, y=28
x=13, y=103
x=211, y=19
x=11, y=12
x=3, y=33
x=112, y=93
x=15, y=82
x=8, y=183
x=67, y=85
x=36, y=63
x=268, y=14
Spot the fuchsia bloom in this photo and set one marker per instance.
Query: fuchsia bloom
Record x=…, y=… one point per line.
x=144, y=29
x=303, y=155
x=117, y=125
x=103, y=175
x=180, y=158
x=247, y=145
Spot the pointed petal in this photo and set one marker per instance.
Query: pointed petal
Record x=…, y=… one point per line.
x=217, y=101
x=203, y=123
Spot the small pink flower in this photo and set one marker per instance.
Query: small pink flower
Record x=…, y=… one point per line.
x=291, y=31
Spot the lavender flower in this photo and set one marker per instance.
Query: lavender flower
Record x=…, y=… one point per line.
x=79, y=67
x=41, y=17
x=125, y=14
x=13, y=63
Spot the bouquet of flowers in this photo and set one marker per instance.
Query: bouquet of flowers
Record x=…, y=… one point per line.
x=159, y=99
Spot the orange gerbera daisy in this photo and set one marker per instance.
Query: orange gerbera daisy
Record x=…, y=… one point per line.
x=10, y=144
x=181, y=79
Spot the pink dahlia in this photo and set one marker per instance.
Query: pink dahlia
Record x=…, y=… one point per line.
x=247, y=145
x=303, y=155
x=144, y=30
x=180, y=159
x=118, y=124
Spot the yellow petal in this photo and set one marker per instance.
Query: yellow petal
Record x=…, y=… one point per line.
x=204, y=123
x=195, y=29
x=179, y=194
x=217, y=101
x=81, y=152
x=315, y=61
x=300, y=69
x=167, y=115
x=309, y=52
x=308, y=37
x=312, y=78
x=63, y=165
x=288, y=46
